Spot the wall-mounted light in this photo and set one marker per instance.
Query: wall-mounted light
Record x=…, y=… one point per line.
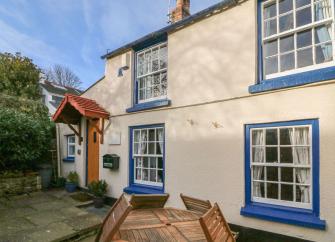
x=125, y=63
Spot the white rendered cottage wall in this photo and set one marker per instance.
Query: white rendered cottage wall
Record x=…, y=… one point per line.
x=208, y=79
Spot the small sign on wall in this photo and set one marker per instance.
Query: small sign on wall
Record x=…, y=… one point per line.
x=115, y=138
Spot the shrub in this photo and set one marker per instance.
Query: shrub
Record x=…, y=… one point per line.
x=24, y=139
x=59, y=182
x=98, y=188
x=73, y=177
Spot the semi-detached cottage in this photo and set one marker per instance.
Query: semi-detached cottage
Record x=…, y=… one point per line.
x=234, y=104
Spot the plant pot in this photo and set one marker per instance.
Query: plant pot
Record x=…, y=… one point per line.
x=70, y=187
x=45, y=172
x=98, y=202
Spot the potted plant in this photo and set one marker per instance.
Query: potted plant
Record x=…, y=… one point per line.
x=98, y=189
x=71, y=182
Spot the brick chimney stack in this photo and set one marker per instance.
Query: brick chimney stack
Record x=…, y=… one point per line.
x=181, y=11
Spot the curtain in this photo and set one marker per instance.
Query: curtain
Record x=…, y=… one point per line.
x=144, y=139
x=300, y=154
x=322, y=10
x=160, y=138
x=258, y=157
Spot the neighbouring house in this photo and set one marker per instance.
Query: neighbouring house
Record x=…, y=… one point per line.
x=52, y=95
x=234, y=104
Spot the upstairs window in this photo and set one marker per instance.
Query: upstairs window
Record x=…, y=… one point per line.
x=297, y=35
x=151, y=73
x=57, y=100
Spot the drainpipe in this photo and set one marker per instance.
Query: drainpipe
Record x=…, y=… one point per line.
x=58, y=150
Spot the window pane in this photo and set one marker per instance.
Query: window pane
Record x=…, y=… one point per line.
x=286, y=155
x=141, y=94
x=257, y=137
x=302, y=155
x=159, y=135
x=303, y=194
x=322, y=34
x=271, y=154
x=138, y=162
x=285, y=136
x=322, y=10
x=258, y=189
x=271, y=173
x=152, y=148
x=287, y=192
x=160, y=176
x=138, y=174
x=300, y=3
x=163, y=57
x=163, y=83
x=285, y=6
x=145, y=175
x=271, y=65
x=159, y=148
x=151, y=134
x=286, y=174
x=285, y=22
x=153, y=177
x=286, y=44
x=272, y=190
x=258, y=154
x=160, y=162
x=137, y=148
x=287, y=62
x=302, y=136
x=155, y=65
x=304, y=39
x=71, y=150
x=323, y=53
x=302, y=175
x=153, y=162
x=270, y=27
x=271, y=137
x=136, y=135
x=305, y=57
x=270, y=48
x=258, y=172
x=270, y=11
x=303, y=16
x=71, y=139
x=145, y=162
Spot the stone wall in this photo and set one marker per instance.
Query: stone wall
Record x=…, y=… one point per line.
x=19, y=185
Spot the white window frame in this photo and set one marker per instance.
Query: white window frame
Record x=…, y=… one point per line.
x=71, y=144
x=150, y=183
x=294, y=31
x=163, y=70
x=277, y=164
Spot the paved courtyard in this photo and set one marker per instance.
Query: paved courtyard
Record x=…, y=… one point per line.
x=46, y=216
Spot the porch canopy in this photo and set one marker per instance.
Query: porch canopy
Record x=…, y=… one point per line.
x=73, y=108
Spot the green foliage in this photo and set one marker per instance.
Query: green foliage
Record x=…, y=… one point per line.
x=19, y=76
x=73, y=177
x=24, y=139
x=98, y=188
x=11, y=174
x=59, y=182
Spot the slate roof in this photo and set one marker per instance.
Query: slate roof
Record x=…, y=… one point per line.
x=56, y=89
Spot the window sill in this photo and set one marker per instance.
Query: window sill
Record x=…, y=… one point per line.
x=298, y=79
x=149, y=105
x=294, y=216
x=69, y=159
x=141, y=189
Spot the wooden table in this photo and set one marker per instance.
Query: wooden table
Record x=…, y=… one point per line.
x=161, y=224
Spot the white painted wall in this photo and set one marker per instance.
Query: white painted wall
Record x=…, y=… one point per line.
x=208, y=79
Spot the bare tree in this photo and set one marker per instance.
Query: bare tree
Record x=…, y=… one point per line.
x=63, y=76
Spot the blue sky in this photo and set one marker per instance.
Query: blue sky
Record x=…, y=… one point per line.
x=75, y=33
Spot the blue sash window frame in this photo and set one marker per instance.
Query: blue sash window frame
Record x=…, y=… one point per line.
x=136, y=106
x=286, y=81
x=135, y=188
x=289, y=215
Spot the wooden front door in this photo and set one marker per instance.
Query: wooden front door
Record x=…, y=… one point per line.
x=92, y=151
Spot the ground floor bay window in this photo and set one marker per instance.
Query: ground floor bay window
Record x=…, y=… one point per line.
x=282, y=172
x=146, y=166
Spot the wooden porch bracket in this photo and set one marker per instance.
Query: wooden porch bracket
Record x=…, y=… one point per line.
x=77, y=133
x=100, y=129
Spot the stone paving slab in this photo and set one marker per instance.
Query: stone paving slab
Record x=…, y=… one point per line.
x=44, y=216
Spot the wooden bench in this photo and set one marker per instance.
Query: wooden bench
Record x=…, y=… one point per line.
x=148, y=201
x=216, y=227
x=195, y=204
